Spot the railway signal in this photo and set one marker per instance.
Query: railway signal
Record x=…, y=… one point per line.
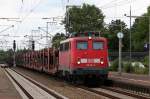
x=33, y=45
x=14, y=48
x=14, y=45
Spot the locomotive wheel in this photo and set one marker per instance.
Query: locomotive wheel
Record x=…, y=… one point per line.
x=93, y=81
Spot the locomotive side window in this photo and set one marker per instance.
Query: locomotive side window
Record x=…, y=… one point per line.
x=66, y=46
x=98, y=45
x=82, y=45
x=61, y=47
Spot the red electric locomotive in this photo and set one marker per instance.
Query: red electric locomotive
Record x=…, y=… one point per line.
x=84, y=55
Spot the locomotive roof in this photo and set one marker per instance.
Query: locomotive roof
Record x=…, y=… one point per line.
x=82, y=38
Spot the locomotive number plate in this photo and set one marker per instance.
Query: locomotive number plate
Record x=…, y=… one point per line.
x=93, y=60
x=90, y=60
x=97, y=60
x=84, y=60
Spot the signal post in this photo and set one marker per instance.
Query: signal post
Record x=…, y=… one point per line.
x=14, y=49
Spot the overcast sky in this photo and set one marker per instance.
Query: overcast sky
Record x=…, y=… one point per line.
x=31, y=13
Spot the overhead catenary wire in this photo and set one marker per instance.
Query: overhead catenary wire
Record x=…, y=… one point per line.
x=115, y=4
x=6, y=28
x=23, y=18
x=31, y=10
x=108, y=3
x=20, y=21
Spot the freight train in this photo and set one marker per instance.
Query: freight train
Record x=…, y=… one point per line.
x=80, y=57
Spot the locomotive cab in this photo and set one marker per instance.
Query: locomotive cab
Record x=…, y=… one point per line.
x=84, y=56
x=90, y=57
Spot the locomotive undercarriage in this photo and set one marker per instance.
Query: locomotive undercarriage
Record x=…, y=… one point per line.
x=84, y=76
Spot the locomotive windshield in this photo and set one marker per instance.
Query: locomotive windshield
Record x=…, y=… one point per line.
x=97, y=45
x=82, y=45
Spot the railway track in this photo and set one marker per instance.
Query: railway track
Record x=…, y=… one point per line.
x=100, y=93
x=127, y=92
x=85, y=89
x=114, y=93
x=132, y=89
x=105, y=92
x=29, y=88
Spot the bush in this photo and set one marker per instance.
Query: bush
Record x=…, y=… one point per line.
x=114, y=65
x=140, y=70
x=146, y=70
x=145, y=61
x=128, y=67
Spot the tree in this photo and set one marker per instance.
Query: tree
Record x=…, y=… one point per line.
x=86, y=18
x=57, y=38
x=113, y=28
x=140, y=31
x=9, y=58
x=19, y=56
x=6, y=57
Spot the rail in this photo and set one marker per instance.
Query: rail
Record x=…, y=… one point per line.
x=42, y=87
x=141, y=90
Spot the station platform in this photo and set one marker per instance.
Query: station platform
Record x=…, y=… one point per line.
x=130, y=78
x=7, y=89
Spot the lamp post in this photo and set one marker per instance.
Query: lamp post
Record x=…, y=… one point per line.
x=120, y=36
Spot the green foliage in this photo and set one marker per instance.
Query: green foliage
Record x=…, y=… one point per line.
x=128, y=67
x=86, y=18
x=140, y=70
x=91, y=18
x=19, y=59
x=140, y=31
x=146, y=70
x=57, y=38
x=114, y=27
x=114, y=65
x=6, y=57
x=145, y=61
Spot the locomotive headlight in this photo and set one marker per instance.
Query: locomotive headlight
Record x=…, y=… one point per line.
x=102, y=62
x=78, y=62
x=90, y=37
